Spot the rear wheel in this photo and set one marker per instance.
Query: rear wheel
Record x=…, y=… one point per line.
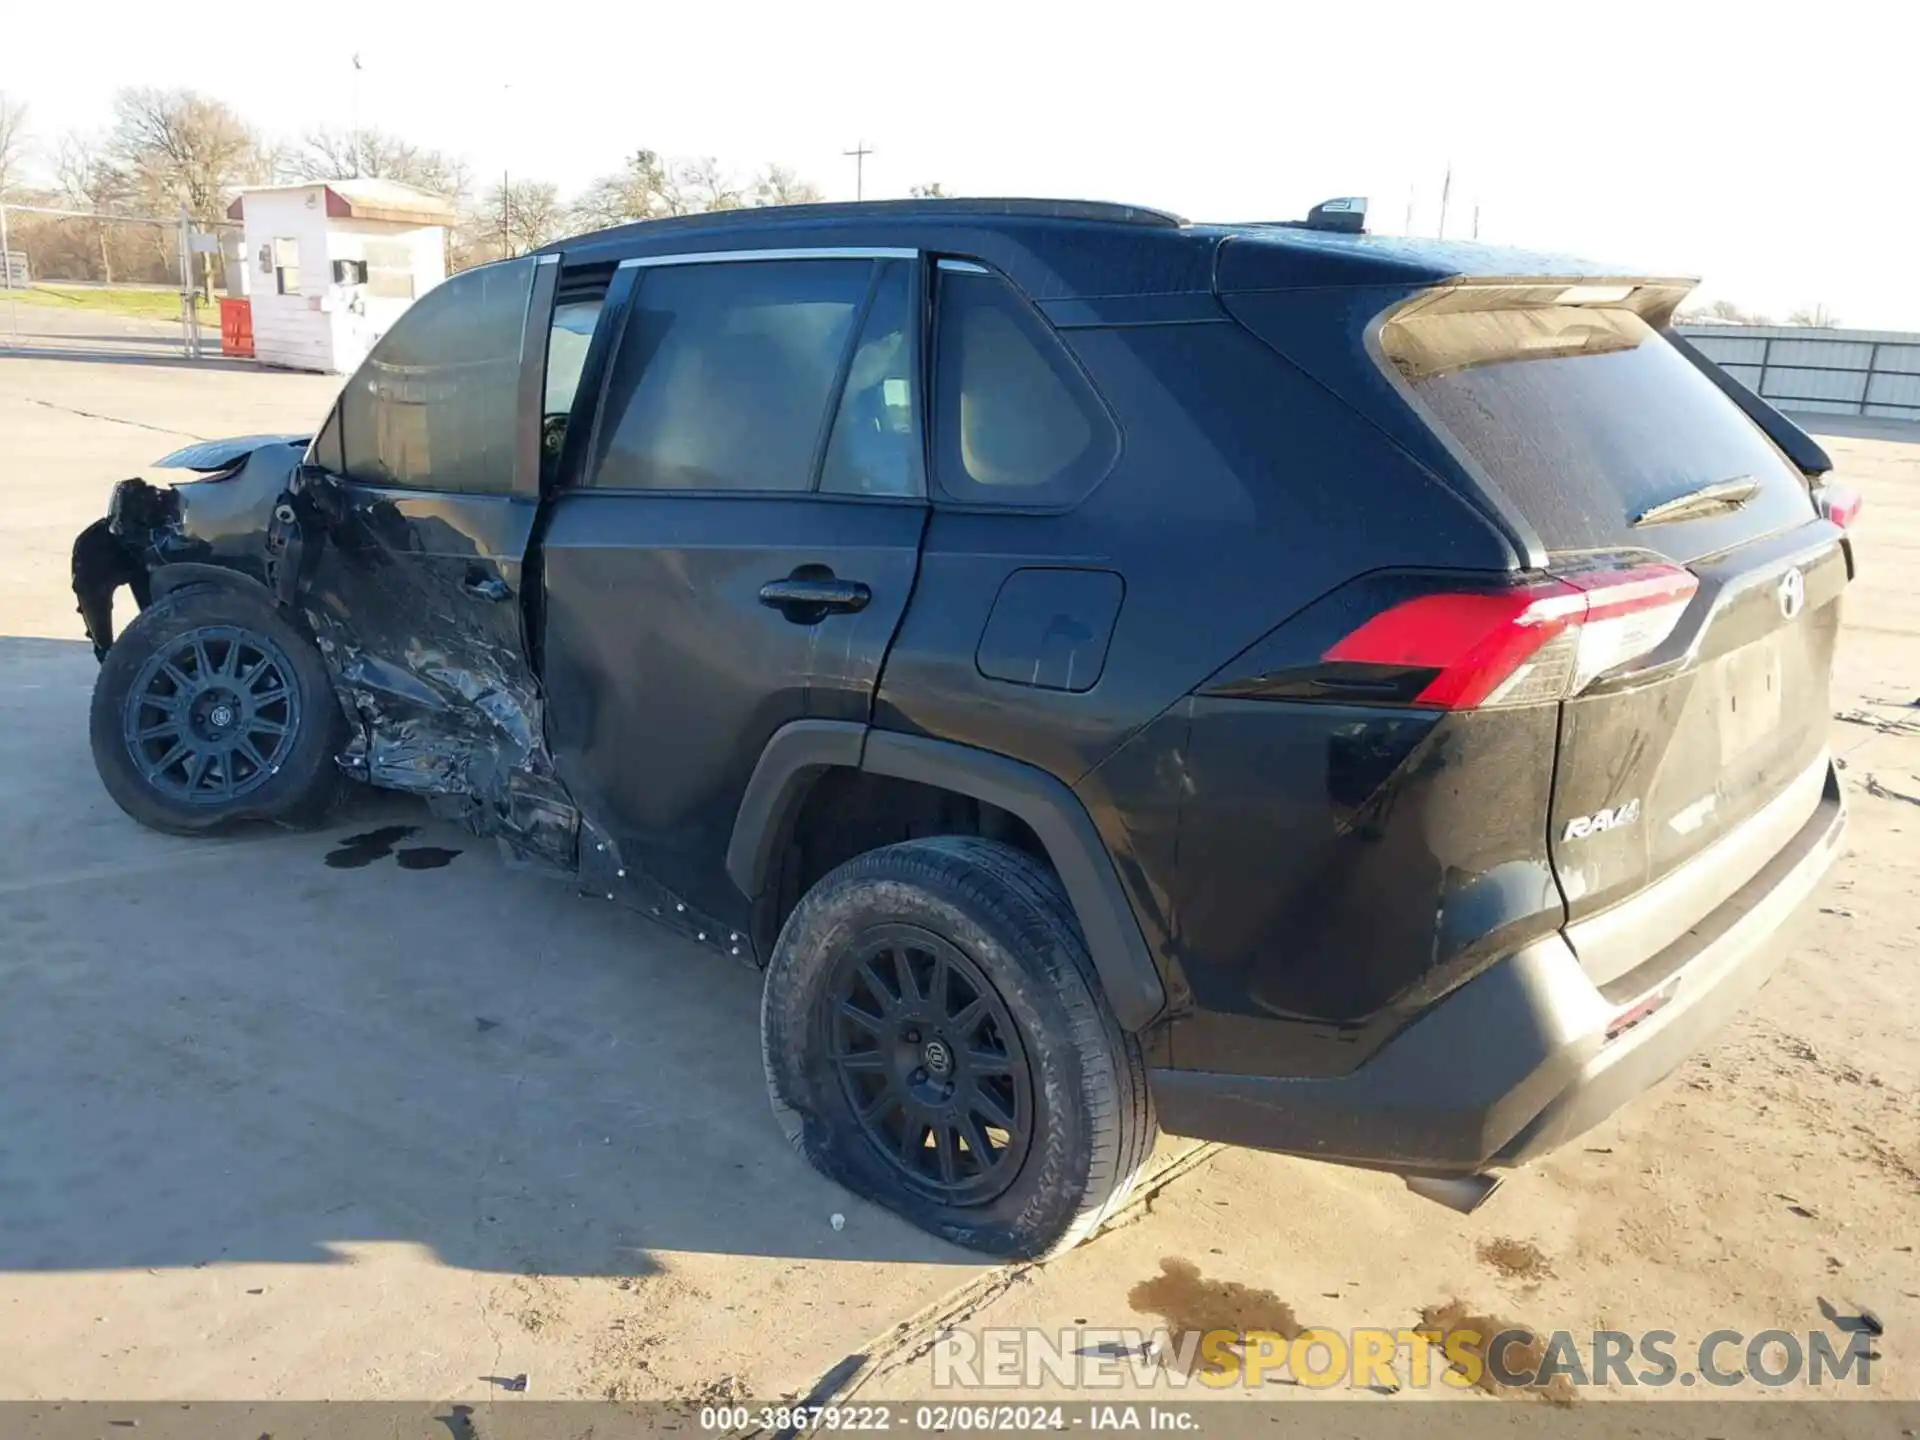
x=935, y=1039
x=211, y=708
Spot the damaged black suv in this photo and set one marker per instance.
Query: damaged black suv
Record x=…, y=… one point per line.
x=1352, y=696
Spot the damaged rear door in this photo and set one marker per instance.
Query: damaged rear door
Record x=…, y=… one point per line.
x=411, y=521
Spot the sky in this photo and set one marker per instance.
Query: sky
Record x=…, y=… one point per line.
x=1773, y=151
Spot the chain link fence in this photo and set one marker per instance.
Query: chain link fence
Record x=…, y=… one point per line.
x=77, y=282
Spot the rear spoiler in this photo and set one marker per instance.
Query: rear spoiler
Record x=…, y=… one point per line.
x=1801, y=448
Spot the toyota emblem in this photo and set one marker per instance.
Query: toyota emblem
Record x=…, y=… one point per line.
x=1792, y=592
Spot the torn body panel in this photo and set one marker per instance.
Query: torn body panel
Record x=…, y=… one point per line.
x=414, y=602
x=411, y=599
x=223, y=520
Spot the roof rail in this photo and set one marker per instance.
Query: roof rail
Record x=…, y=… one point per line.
x=1098, y=210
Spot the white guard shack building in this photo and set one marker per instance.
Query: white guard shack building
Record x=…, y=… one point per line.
x=328, y=266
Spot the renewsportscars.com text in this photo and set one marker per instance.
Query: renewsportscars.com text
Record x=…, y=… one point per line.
x=1416, y=1357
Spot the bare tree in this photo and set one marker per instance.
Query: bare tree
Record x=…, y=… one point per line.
x=180, y=148
x=643, y=190
x=929, y=191
x=374, y=154
x=521, y=215
x=778, y=185
x=1818, y=317
x=651, y=187
x=705, y=186
x=13, y=140
x=86, y=183
x=177, y=149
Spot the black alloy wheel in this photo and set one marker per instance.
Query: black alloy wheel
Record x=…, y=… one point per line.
x=212, y=716
x=930, y=1063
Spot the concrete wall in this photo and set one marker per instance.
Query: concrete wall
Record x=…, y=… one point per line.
x=1835, y=372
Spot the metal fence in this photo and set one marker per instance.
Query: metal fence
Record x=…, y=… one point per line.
x=51, y=258
x=1835, y=372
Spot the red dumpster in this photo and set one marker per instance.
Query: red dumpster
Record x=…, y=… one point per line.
x=236, y=327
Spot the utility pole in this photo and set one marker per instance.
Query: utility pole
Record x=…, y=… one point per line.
x=859, y=154
x=1446, y=188
x=1476, y=219
x=1408, y=230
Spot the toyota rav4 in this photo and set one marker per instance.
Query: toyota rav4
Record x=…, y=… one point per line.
x=1359, y=697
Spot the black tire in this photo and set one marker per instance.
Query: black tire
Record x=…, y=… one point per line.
x=298, y=781
x=1090, y=1116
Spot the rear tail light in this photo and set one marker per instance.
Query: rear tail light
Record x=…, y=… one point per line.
x=1544, y=640
x=1839, y=504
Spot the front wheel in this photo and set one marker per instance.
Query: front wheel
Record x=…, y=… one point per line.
x=211, y=708
x=935, y=1039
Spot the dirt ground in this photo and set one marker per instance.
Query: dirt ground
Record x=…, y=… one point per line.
x=288, y=1119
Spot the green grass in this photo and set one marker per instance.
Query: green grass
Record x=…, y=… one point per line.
x=139, y=304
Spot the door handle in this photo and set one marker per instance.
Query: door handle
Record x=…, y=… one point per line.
x=486, y=587
x=806, y=600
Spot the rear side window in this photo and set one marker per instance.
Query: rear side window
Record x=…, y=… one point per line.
x=875, y=447
x=1015, y=422
x=725, y=372
x=1586, y=419
x=434, y=406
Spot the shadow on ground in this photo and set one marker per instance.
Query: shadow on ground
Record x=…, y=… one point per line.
x=30, y=349
x=227, y=1049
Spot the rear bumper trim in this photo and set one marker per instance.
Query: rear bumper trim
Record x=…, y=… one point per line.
x=1517, y=1061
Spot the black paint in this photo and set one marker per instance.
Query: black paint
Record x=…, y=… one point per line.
x=425, y=857
x=363, y=849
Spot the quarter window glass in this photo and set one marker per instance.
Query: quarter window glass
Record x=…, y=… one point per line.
x=1016, y=422
x=875, y=449
x=434, y=407
x=573, y=322
x=725, y=372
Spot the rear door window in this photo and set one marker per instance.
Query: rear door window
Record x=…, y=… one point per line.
x=725, y=372
x=1587, y=420
x=1015, y=420
x=875, y=446
x=435, y=406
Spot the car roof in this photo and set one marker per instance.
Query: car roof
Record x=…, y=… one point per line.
x=1058, y=249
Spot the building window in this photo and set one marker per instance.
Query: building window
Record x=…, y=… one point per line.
x=349, y=272
x=389, y=270
x=286, y=265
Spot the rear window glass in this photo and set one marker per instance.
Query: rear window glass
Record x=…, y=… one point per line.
x=1586, y=418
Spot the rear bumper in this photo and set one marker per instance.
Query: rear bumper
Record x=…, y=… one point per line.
x=1519, y=1060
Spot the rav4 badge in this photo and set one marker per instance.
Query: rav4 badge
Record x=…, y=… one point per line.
x=1581, y=826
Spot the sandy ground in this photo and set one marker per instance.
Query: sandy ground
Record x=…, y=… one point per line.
x=279, y=1128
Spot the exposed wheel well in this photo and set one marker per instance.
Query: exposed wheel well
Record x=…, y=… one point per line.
x=848, y=812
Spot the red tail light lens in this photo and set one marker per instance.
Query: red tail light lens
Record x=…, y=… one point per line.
x=1839, y=504
x=1544, y=640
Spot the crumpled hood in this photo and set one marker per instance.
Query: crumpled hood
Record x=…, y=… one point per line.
x=219, y=454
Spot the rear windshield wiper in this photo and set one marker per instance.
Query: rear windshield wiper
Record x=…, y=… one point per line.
x=1719, y=498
